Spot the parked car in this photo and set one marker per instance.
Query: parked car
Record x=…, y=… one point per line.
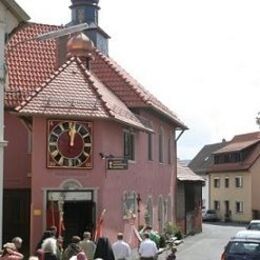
x=245, y=245
x=254, y=224
x=210, y=215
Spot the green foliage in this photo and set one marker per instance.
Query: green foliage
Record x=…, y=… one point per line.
x=172, y=230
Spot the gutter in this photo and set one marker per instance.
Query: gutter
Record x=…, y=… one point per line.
x=16, y=10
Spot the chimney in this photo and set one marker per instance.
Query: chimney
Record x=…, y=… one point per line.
x=86, y=11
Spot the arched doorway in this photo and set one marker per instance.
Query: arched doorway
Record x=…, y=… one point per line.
x=71, y=209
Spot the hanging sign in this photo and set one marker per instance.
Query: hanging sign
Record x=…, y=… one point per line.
x=117, y=163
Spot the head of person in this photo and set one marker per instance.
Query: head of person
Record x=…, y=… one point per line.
x=148, y=229
x=53, y=230
x=8, y=248
x=75, y=239
x=18, y=242
x=174, y=249
x=60, y=241
x=146, y=235
x=86, y=235
x=49, y=245
x=46, y=234
x=103, y=249
x=81, y=256
x=120, y=236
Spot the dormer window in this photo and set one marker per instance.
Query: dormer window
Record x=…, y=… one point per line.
x=228, y=157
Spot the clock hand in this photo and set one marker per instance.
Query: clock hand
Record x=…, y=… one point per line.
x=72, y=132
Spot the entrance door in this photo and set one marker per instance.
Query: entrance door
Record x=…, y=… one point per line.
x=79, y=216
x=227, y=211
x=16, y=217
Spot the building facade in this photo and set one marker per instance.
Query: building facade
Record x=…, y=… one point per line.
x=11, y=15
x=234, y=178
x=85, y=138
x=200, y=164
x=189, y=203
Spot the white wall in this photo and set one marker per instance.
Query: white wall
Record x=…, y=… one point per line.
x=7, y=23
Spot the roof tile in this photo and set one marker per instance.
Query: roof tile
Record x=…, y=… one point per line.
x=30, y=63
x=75, y=92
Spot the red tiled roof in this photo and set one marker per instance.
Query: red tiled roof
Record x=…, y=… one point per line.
x=236, y=147
x=250, y=141
x=184, y=173
x=127, y=88
x=246, y=137
x=237, y=166
x=84, y=96
x=31, y=62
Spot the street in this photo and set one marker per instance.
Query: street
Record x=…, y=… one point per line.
x=207, y=245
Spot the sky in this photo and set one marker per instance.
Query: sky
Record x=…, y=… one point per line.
x=200, y=58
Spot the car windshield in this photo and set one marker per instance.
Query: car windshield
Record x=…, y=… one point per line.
x=244, y=247
x=254, y=226
x=211, y=211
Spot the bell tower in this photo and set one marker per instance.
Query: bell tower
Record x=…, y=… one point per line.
x=86, y=11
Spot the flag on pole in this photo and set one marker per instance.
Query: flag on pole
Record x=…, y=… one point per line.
x=99, y=226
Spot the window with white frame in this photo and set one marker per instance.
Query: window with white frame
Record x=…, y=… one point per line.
x=238, y=182
x=216, y=204
x=216, y=182
x=239, y=207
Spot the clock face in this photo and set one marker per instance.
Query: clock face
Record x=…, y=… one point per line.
x=69, y=144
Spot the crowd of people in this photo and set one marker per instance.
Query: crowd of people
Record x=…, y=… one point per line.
x=51, y=248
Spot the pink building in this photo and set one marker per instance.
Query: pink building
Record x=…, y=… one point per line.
x=83, y=137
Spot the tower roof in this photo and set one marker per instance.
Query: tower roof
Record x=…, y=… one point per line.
x=79, y=45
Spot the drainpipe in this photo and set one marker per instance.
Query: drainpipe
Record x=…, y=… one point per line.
x=176, y=181
x=2, y=142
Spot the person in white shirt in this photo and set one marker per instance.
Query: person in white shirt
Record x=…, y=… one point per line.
x=121, y=249
x=88, y=246
x=148, y=248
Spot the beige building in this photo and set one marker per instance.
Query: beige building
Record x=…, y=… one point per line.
x=234, y=179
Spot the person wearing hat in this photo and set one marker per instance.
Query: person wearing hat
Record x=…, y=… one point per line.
x=10, y=252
